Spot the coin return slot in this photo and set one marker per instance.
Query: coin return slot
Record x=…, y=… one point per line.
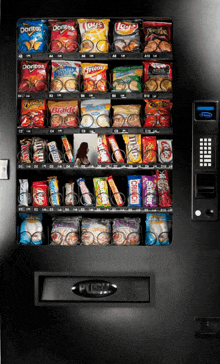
x=205, y=187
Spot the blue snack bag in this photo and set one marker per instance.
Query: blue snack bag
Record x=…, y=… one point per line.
x=134, y=191
x=33, y=35
x=157, y=229
x=31, y=229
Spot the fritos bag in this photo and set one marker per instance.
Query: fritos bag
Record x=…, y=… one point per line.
x=94, y=77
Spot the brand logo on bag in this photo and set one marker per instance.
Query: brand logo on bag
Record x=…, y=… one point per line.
x=30, y=30
x=94, y=288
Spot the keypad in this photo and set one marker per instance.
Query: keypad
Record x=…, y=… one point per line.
x=205, y=152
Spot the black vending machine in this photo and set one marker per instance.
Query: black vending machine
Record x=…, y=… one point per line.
x=109, y=132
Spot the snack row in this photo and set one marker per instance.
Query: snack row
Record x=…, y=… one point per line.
x=93, y=35
x=72, y=76
x=94, y=114
x=142, y=191
x=72, y=231
x=105, y=149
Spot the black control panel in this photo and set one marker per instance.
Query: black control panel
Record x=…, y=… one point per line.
x=205, y=120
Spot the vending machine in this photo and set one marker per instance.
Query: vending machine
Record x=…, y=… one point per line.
x=109, y=183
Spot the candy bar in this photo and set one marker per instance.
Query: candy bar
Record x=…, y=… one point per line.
x=149, y=148
x=23, y=195
x=85, y=192
x=149, y=193
x=70, y=197
x=25, y=150
x=54, y=152
x=39, y=148
x=133, y=148
x=54, y=191
x=101, y=191
x=165, y=154
x=39, y=191
x=165, y=199
x=68, y=148
x=103, y=149
x=115, y=148
x=115, y=191
x=134, y=191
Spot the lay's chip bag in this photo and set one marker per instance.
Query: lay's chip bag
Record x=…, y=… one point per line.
x=32, y=35
x=94, y=35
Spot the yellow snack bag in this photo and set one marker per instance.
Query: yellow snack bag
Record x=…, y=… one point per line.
x=94, y=34
x=133, y=148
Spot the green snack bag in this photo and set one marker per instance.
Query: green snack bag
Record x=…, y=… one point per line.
x=127, y=78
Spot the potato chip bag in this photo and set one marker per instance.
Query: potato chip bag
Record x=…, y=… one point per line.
x=133, y=148
x=127, y=78
x=94, y=35
x=157, y=76
x=65, y=76
x=126, y=116
x=126, y=36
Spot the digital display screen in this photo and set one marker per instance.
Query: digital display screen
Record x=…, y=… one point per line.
x=205, y=111
x=205, y=108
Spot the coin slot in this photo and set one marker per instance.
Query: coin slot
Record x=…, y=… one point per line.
x=205, y=185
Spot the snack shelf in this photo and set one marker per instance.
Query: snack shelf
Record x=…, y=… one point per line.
x=45, y=56
x=85, y=209
x=104, y=131
x=67, y=171
x=104, y=166
x=99, y=95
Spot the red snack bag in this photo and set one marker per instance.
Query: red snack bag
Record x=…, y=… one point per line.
x=157, y=113
x=64, y=36
x=157, y=36
x=94, y=77
x=33, y=113
x=115, y=148
x=149, y=148
x=165, y=199
x=103, y=149
x=34, y=76
x=40, y=193
x=157, y=76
